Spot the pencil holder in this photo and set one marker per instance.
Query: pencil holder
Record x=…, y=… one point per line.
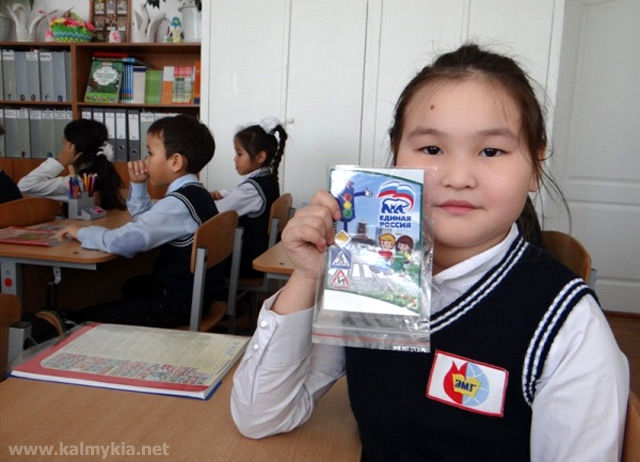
x=79, y=208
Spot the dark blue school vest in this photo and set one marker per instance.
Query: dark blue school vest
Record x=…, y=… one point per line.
x=509, y=320
x=255, y=239
x=171, y=271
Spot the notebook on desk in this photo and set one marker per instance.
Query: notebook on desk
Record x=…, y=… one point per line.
x=35, y=235
x=142, y=359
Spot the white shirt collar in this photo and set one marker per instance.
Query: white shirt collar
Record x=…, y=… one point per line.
x=449, y=284
x=181, y=181
x=256, y=172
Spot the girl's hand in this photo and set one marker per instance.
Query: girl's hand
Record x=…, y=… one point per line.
x=68, y=154
x=138, y=171
x=70, y=231
x=305, y=239
x=216, y=195
x=309, y=233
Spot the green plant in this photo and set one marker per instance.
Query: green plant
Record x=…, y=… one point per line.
x=156, y=3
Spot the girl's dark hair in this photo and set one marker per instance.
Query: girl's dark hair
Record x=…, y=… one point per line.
x=471, y=61
x=88, y=136
x=254, y=140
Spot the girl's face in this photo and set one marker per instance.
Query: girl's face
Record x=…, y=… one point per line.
x=468, y=134
x=244, y=163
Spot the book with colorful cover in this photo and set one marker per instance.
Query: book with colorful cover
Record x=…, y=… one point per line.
x=105, y=78
x=32, y=235
x=153, y=86
x=141, y=359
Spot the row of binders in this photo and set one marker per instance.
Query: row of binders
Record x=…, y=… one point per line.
x=127, y=129
x=32, y=133
x=38, y=75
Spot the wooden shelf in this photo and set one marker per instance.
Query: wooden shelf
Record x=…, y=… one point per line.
x=6, y=102
x=157, y=55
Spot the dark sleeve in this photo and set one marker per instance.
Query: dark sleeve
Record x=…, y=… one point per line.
x=8, y=189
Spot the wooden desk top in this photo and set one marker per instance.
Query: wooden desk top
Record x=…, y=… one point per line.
x=45, y=413
x=274, y=260
x=69, y=250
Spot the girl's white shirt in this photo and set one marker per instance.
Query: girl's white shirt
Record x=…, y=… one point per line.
x=579, y=408
x=245, y=198
x=44, y=181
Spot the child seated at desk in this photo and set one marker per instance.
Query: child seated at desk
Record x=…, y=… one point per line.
x=259, y=150
x=85, y=149
x=179, y=147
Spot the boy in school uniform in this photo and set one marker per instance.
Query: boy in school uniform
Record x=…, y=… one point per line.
x=179, y=147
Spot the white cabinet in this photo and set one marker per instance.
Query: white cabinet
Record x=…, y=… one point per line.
x=335, y=69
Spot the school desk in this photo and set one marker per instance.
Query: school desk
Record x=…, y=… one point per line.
x=274, y=262
x=46, y=413
x=68, y=254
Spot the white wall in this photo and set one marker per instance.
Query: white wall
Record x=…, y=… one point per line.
x=259, y=50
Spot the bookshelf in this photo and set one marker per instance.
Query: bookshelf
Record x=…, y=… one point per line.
x=156, y=55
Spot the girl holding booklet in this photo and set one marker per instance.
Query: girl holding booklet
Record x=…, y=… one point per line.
x=85, y=150
x=523, y=364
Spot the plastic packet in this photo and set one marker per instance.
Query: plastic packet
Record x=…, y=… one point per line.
x=375, y=292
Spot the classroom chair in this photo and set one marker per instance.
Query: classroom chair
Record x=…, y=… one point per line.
x=214, y=242
x=28, y=211
x=631, y=444
x=571, y=253
x=278, y=218
x=9, y=315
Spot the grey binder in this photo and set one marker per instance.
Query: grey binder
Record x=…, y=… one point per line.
x=146, y=119
x=67, y=74
x=33, y=76
x=121, y=148
x=133, y=116
x=48, y=133
x=35, y=134
x=110, y=123
x=22, y=88
x=1, y=78
x=11, y=132
x=98, y=114
x=61, y=118
x=46, y=76
x=9, y=75
x=86, y=113
x=23, y=143
x=59, y=76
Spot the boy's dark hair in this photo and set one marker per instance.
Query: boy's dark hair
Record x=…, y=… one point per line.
x=88, y=136
x=255, y=139
x=185, y=135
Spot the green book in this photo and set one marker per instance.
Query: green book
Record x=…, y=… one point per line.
x=104, y=82
x=153, y=86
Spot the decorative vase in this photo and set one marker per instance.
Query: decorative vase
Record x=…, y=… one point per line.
x=191, y=22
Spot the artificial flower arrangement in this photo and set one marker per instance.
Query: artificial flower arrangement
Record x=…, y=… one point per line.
x=71, y=28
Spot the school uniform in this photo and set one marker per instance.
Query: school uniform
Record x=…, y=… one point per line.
x=44, y=181
x=252, y=200
x=559, y=382
x=164, y=298
x=8, y=189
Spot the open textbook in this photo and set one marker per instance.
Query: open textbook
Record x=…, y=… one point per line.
x=143, y=359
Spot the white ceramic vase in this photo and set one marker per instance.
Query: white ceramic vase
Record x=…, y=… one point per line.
x=191, y=23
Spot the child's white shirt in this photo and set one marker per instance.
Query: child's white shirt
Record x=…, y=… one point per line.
x=245, y=198
x=575, y=416
x=44, y=181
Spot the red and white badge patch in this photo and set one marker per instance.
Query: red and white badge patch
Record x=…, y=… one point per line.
x=467, y=384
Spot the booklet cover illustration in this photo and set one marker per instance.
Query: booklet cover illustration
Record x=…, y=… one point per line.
x=375, y=264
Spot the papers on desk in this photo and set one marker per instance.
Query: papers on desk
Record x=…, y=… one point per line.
x=32, y=235
x=143, y=359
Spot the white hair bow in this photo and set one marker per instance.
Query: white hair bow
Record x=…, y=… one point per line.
x=106, y=150
x=269, y=124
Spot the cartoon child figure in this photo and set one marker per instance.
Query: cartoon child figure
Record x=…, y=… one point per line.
x=346, y=201
x=386, y=242
x=404, y=247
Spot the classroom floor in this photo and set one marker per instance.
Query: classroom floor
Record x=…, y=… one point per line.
x=626, y=328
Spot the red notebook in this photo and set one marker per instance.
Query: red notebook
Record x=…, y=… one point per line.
x=29, y=236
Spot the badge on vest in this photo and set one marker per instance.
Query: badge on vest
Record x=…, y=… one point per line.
x=467, y=384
